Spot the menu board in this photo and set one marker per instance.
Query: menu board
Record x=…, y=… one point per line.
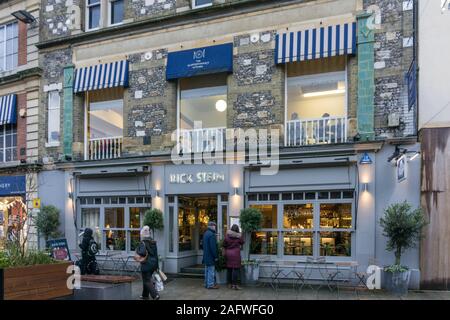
x=59, y=249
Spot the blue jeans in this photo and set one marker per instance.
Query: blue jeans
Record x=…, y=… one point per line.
x=210, y=276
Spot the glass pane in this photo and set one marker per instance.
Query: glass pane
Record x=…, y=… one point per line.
x=269, y=212
x=122, y=200
x=335, y=195
x=298, y=216
x=224, y=220
x=337, y=216
x=323, y=195
x=335, y=244
x=253, y=197
x=135, y=238
x=298, y=243
x=94, y=17
x=116, y=11
x=114, y=217
x=139, y=199
x=286, y=196
x=207, y=211
x=171, y=199
x=9, y=155
x=310, y=195
x=171, y=226
x=224, y=198
x=298, y=196
x=186, y=228
x=136, y=216
x=348, y=194
x=106, y=119
x=202, y=2
x=90, y=218
x=274, y=197
x=53, y=125
x=115, y=240
x=264, y=243
x=200, y=101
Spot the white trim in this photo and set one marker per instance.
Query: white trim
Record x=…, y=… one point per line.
x=100, y=23
x=52, y=144
x=109, y=14
x=194, y=6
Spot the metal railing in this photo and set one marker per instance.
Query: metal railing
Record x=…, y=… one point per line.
x=202, y=140
x=327, y=130
x=104, y=148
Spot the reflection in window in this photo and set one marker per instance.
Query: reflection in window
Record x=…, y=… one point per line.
x=269, y=213
x=114, y=218
x=298, y=216
x=335, y=244
x=264, y=243
x=336, y=215
x=298, y=243
x=203, y=98
x=105, y=113
x=136, y=216
x=115, y=240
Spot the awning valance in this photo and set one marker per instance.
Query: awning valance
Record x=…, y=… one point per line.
x=8, y=109
x=316, y=43
x=198, y=61
x=101, y=76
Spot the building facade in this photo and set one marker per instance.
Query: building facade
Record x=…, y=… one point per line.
x=434, y=123
x=19, y=99
x=130, y=85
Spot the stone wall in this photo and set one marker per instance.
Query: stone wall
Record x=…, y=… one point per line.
x=393, y=57
x=61, y=18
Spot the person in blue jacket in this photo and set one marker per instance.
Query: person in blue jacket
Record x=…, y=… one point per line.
x=210, y=255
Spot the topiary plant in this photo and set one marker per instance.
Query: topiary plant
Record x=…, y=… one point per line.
x=251, y=221
x=153, y=218
x=403, y=227
x=47, y=222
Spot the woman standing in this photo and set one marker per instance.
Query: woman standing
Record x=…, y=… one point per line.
x=147, y=248
x=232, y=244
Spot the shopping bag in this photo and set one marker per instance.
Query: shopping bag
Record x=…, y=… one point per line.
x=162, y=275
x=159, y=285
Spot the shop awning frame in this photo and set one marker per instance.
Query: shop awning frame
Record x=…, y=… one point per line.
x=8, y=106
x=101, y=76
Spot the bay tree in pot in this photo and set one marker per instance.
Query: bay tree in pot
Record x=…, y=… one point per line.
x=402, y=225
x=221, y=267
x=251, y=221
x=47, y=222
x=153, y=218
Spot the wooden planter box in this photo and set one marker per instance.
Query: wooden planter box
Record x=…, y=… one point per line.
x=40, y=282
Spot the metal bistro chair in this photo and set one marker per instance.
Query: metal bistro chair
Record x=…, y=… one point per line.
x=276, y=274
x=307, y=271
x=329, y=273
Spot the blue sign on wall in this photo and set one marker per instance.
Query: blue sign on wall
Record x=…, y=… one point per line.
x=188, y=63
x=12, y=185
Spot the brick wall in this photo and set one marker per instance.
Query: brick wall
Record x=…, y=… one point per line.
x=21, y=127
x=22, y=50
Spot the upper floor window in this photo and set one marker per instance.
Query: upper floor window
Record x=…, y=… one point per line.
x=53, y=117
x=8, y=143
x=201, y=3
x=9, y=45
x=93, y=14
x=116, y=11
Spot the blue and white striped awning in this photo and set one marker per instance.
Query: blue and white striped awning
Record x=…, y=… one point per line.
x=316, y=43
x=8, y=109
x=101, y=76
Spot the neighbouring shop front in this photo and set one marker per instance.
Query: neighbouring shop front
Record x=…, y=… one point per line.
x=13, y=207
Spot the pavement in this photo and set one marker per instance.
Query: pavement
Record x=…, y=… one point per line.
x=192, y=289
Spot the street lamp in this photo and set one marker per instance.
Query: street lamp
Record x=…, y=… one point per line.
x=24, y=16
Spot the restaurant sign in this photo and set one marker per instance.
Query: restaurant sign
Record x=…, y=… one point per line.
x=199, y=177
x=12, y=185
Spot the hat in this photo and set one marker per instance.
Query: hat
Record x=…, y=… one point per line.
x=211, y=224
x=145, y=232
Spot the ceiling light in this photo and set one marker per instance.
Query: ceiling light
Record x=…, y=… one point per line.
x=221, y=105
x=323, y=93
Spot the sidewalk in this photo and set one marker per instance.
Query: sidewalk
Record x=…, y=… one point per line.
x=192, y=289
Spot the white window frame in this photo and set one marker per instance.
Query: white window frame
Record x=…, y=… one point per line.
x=51, y=143
x=110, y=24
x=88, y=6
x=194, y=6
x=3, y=47
x=4, y=148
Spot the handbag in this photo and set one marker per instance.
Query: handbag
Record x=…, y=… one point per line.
x=141, y=259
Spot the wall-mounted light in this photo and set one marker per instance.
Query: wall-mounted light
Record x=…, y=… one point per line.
x=365, y=159
x=156, y=193
x=365, y=187
x=236, y=191
x=24, y=16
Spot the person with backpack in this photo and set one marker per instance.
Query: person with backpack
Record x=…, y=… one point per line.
x=210, y=256
x=89, y=248
x=147, y=255
x=232, y=244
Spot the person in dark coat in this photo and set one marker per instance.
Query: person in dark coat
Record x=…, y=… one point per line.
x=210, y=256
x=232, y=244
x=89, y=248
x=148, y=248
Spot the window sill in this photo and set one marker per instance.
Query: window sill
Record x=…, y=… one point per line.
x=9, y=164
x=52, y=144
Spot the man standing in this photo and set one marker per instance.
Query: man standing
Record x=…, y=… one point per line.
x=210, y=256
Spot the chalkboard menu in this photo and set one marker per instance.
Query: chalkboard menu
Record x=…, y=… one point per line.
x=59, y=249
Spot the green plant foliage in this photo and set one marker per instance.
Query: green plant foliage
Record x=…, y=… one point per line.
x=396, y=268
x=221, y=261
x=251, y=221
x=402, y=225
x=153, y=218
x=47, y=222
x=12, y=257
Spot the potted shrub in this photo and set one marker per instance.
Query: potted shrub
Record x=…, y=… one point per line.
x=32, y=275
x=47, y=222
x=153, y=218
x=251, y=220
x=221, y=268
x=402, y=225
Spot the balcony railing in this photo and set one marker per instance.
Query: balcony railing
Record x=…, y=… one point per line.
x=202, y=140
x=316, y=131
x=104, y=148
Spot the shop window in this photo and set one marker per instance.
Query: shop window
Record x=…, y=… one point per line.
x=224, y=220
x=201, y=3
x=186, y=229
x=9, y=46
x=269, y=213
x=115, y=240
x=286, y=196
x=298, y=243
x=203, y=100
x=348, y=194
x=53, y=117
x=310, y=195
x=264, y=243
x=135, y=239
x=105, y=113
x=274, y=197
x=336, y=216
x=93, y=14
x=116, y=11
x=8, y=143
x=298, y=216
x=171, y=226
x=114, y=218
x=90, y=218
x=137, y=217
x=335, y=244
x=299, y=195
x=253, y=197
